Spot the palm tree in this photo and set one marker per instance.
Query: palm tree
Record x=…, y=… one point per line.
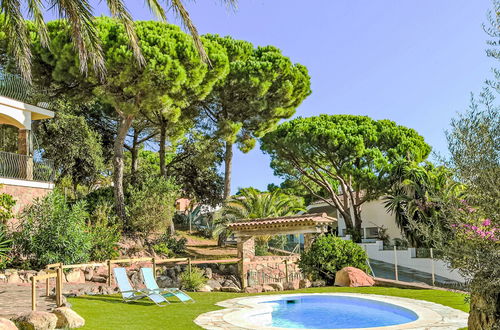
x=79, y=14
x=417, y=194
x=253, y=204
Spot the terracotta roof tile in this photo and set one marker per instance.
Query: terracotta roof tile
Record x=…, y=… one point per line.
x=305, y=219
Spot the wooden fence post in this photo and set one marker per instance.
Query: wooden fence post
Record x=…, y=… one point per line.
x=47, y=283
x=109, y=272
x=189, y=265
x=33, y=293
x=59, y=289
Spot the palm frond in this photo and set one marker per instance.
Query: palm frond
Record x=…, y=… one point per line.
x=157, y=9
x=35, y=8
x=118, y=10
x=178, y=8
x=78, y=14
x=17, y=34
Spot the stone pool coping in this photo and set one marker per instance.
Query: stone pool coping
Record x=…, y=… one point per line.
x=238, y=310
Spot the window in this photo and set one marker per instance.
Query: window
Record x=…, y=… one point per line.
x=371, y=232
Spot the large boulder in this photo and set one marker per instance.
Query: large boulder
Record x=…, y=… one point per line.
x=304, y=284
x=277, y=286
x=205, y=288
x=254, y=289
x=353, y=277
x=68, y=318
x=14, y=278
x=318, y=283
x=36, y=321
x=6, y=324
x=75, y=276
x=293, y=285
x=267, y=288
x=215, y=285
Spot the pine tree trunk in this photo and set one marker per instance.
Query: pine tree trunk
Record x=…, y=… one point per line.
x=163, y=139
x=123, y=127
x=228, y=160
x=134, y=154
x=357, y=224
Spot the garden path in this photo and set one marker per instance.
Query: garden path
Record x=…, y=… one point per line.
x=16, y=299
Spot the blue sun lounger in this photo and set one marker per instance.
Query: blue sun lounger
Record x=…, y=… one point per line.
x=130, y=294
x=152, y=286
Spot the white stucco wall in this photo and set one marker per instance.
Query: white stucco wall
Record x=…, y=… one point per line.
x=374, y=214
x=407, y=259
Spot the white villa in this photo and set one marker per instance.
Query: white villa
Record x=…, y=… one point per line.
x=374, y=216
x=23, y=174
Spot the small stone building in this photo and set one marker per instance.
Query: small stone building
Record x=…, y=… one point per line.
x=266, y=269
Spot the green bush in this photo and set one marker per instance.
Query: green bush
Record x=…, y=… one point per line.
x=151, y=205
x=329, y=254
x=162, y=248
x=105, y=233
x=174, y=245
x=193, y=280
x=52, y=231
x=7, y=203
x=5, y=246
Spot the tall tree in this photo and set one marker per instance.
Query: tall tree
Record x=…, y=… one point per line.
x=73, y=146
x=348, y=156
x=83, y=29
x=170, y=56
x=262, y=87
x=175, y=118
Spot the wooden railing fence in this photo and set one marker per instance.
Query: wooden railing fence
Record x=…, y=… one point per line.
x=56, y=271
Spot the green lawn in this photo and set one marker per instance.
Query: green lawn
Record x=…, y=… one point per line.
x=108, y=312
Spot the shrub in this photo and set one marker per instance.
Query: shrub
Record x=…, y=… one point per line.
x=329, y=254
x=193, y=280
x=6, y=205
x=175, y=246
x=151, y=206
x=52, y=231
x=105, y=233
x=162, y=248
x=5, y=246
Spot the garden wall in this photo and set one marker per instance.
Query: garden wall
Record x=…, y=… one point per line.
x=24, y=193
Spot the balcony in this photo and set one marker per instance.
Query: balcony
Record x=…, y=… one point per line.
x=26, y=168
x=16, y=88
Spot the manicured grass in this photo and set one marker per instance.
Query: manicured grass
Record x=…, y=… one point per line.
x=109, y=312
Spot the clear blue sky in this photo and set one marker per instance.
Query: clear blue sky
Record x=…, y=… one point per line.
x=412, y=61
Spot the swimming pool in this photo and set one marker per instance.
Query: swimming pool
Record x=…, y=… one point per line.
x=334, y=312
x=331, y=311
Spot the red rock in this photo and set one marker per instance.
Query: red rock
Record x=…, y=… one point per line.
x=7, y=324
x=353, y=277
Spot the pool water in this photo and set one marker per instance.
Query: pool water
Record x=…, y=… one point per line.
x=336, y=312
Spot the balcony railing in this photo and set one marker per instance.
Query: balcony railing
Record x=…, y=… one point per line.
x=22, y=167
x=15, y=87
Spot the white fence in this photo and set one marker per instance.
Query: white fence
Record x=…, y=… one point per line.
x=408, y=258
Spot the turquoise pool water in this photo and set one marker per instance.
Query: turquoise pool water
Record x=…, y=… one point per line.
x=336, y=312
